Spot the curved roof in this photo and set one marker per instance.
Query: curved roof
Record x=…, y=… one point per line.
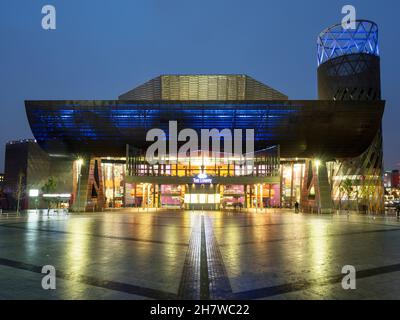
x=334, y=129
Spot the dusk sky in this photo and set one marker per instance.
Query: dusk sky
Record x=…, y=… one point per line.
x=102, y=48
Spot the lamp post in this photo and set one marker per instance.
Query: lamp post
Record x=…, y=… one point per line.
x=317, y=164
x=79, y=163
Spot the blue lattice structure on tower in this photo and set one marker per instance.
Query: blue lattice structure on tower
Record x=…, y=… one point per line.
x=349, y=62
x=336, y=41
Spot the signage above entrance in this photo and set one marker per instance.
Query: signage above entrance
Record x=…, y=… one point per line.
x=202, y=178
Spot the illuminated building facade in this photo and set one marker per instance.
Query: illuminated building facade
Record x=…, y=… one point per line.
x=391, y=182
x=349, y=69
x=304, y=150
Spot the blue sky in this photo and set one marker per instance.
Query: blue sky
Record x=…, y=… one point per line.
x=103, y=48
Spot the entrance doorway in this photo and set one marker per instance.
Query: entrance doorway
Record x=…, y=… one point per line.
x=202, y=197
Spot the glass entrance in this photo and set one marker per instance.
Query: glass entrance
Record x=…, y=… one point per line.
x=202, y=197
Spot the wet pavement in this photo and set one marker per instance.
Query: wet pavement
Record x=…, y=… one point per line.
x=273, y=254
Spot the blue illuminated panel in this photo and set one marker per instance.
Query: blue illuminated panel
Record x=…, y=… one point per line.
x=300, y=128
x=337, y=41
x=131, y=120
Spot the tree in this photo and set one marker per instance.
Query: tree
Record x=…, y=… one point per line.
x=367, y=192
x=20, y=191
x=49, y=187
x=346, y=187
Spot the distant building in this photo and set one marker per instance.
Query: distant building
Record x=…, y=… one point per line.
x=392, y=188
x=387, y=179
x=28, y=167
x=395, y=179
x=391, y=179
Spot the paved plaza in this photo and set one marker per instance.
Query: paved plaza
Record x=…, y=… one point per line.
x=274, y=254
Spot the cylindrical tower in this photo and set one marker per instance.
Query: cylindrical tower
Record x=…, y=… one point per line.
x=349, y=69
x=349, y=63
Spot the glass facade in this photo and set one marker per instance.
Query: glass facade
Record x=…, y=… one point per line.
x=262, y=164
x=113, y=183
x=292, y=174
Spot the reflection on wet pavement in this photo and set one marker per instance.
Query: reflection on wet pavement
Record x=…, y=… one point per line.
x=199, y=255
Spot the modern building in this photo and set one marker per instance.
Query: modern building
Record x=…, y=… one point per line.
x=395, y=179
x=391, y=182
x=304, y=151
x=27, y=169
x=391, y=179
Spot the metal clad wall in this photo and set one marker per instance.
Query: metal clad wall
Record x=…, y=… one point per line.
x=256, y=90
x=301, y=128
x=351, y=77
x=150, y=90
x=203, y=87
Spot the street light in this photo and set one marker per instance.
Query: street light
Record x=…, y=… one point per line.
x=79, y=162
x=317, y=164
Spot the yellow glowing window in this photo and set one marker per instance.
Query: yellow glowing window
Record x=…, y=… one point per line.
x=193, y=198
x=202, y=198
x=187, y=198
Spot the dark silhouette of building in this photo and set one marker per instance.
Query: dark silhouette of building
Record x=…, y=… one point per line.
x=28, y=167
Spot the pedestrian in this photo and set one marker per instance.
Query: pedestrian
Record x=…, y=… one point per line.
x=398, y=210
x=296, y=207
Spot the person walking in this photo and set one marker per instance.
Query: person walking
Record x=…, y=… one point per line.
x=398, y=210
x=296, y=207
